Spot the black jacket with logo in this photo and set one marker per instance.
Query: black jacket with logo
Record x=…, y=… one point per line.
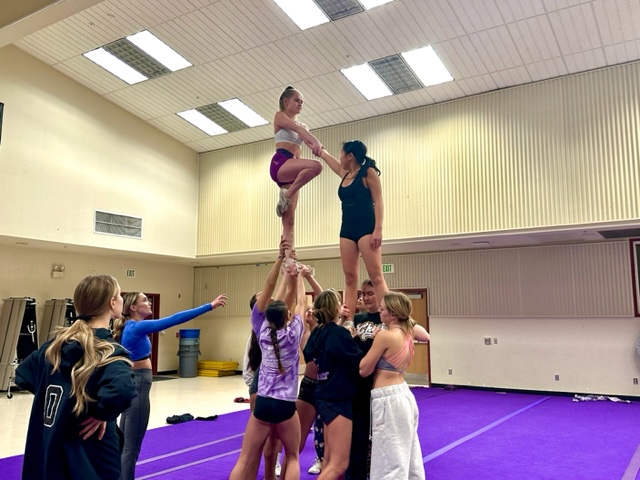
x=55, y=450
x=338, y=358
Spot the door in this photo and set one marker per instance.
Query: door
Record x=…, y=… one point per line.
x=419, y=372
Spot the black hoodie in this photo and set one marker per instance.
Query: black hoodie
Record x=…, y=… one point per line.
x=54, y=449
x=338, y=358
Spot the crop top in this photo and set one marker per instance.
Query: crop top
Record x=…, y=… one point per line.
x=134, y=335
x=399, y=361
x=286, y=135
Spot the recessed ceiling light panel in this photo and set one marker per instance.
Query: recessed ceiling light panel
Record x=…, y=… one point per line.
x=197, y=119
x=367, y=81
x=396, y=74
x=427, y=66
x=136, y=58
x=304, y=13
x=220, y=116
x=243, y=112
x=115, y=66
x=337, y=9
x=163, y=53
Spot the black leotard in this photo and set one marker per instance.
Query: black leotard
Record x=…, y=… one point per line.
x=358, y=215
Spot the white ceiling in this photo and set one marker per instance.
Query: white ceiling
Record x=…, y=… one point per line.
x=249, y=49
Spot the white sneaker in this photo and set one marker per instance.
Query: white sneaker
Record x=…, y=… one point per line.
x=283, y=203
x=316, y=468
x=278, y=469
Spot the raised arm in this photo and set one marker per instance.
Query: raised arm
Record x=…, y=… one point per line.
x=333, y=163
x=291, y=281
x=301, y=297
x=313, y=283
x=375, y=187
x=272, y=279
x=152, y=326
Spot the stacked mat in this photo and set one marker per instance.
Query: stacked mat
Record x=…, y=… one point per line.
x=213, y=368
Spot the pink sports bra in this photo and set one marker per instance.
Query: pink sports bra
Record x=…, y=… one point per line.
x=399, y=361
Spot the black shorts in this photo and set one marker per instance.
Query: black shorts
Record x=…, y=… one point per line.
x=271, y=410
x=355, y=227
x=329, y=410
x=307, y=392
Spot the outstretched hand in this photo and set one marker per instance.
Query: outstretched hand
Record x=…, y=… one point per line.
x=92, y=425
x=220, y=301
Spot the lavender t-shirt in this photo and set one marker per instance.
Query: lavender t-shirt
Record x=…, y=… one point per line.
x=271, y=382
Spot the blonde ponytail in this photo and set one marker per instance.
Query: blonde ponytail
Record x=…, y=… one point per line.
x=97, y=353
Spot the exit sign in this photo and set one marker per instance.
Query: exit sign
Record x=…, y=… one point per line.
x=387, y=268
x=131, y=273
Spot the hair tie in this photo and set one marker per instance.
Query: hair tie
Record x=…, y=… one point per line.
x=84, y=317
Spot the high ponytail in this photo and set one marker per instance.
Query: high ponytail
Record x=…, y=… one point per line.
x=118, y=324
x=290, y=90
x=359, y=151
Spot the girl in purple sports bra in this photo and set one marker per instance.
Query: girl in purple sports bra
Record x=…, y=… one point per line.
x=287, y=169
x=395, y=447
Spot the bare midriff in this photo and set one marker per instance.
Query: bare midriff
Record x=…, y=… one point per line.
x=291, y=147
x=142, y=364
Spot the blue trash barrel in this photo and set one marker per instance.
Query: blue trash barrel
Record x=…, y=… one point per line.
x=188, y=352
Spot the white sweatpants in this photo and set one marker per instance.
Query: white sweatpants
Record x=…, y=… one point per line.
x=395, y=449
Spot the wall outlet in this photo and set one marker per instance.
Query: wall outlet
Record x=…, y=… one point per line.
x=487, y=340
x=495, y=341
x=635, y=381
x=450, y=371
x=556, y=377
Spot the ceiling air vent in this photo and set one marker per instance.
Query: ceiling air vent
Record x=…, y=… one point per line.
x=116, y=224
x=626, y=233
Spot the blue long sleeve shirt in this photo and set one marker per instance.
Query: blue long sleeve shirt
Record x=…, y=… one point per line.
x=134, y=335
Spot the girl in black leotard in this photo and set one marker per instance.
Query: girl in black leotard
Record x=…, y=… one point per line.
x=362, y=210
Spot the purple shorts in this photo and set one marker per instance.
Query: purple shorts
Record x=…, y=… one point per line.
x=281, y=156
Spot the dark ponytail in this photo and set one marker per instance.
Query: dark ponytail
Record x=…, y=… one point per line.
x=255, y=353
x=276, y=313
x=276, y=347
x=359, y=151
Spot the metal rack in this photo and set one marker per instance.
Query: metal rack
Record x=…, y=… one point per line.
x=11, y=319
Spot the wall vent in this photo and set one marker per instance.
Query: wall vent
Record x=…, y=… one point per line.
x=117, y=224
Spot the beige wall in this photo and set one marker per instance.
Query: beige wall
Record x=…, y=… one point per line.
x=564, y=309
x=66, y=151
x=26, y=272
x=554, y=153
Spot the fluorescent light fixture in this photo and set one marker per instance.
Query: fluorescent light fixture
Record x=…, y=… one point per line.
x=237, y=108
x=163, y=53
x=369, y=4
x=115, y=66
x=366, y=81
x=427, y=66
x=196, y=119
x=304, y=13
